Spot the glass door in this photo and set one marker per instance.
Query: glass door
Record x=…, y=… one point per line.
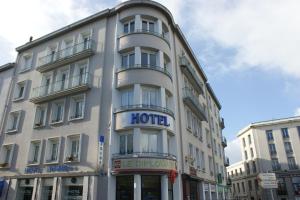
x=151, y=189
x=125, y=188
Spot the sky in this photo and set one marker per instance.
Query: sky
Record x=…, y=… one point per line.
x=247, y=48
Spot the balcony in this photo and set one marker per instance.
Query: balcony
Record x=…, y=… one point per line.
x=188, y=70
x=74, y=84
x=193, y=102
x=226, y=161
x=224, y=141
x=145, y=107
x=222, y=124
x=67, y=55
x=143, y=162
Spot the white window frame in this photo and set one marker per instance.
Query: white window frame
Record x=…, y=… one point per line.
x=57, y=83
x=84, y=34
x=126, y=93
x=72, y=105
x=67, y=153
x=50, y=49
x=46, y=76
x=17, y=90
x=148, y=52
x=128, y=54
x=129, y=26
x=48, y=151
x=3, y=155
x=31, y=155
x=78, y=66
x=148, y=92
x=126, y=134
x=38, y=108
x=23, y=67
x=64, y=46
x=60, y=101
x=10, y=130
x=148, y=21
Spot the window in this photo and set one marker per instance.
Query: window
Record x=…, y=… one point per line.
x=243, y=187
x=34, y=152
x=199, y=130
x=296, y=184
x=26, y=62
x=244, y=142
x=58, y=109
x=40, y=116
x=285, y=133
x=275, y=164
x=292, y=163
x=241, y=172
x=238, y=187
x=67, y=48
x=281, y=190
x=148, y=26
x=248, y=168
x=77, y=107
x=149, y=141
x=236, y=172
x=272, y=149
x=246, y=155
x=127, y=97
x=6, y=155
x=13, y=121
x=188, y=118
x=128, y=60
x=208, y=138
x=191, y=151
x=249, y=139
x=73, y=148
x=220, y=151
x=126, y=144
x=250, y=185
x=253, y=166
x=269, y=134
x=20, y=90
x=84, y=41
x=52, y=150
x=47, y=188
x=80, y=76
x=202, y=160
x=251, y=152
x=149, y=59
x=256, y=184
x=46, y=85
x=62, y=80
x=198, y=159
x=128, y=27
x=150, y=96
x=125, y=187
x=288, y=147
x=215, y=147
x=210, y=165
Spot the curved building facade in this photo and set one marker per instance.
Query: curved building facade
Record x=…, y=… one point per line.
x=114, y=106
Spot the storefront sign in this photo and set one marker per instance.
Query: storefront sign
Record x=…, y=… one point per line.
x=144, y=118
x=212, y=188
x=143, y=163
x=50, y=169
x=267, y=180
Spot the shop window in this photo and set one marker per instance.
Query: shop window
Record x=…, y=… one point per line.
x=58, y=109
x=40, y=116
x=47, y=188
x=126, y=144
x=128, y=60
x=151, y=187
x=25, y=189
x=77, y=107
x=6, y=155
x=34, y=152
x=73, y=148
x=13, y=121
x=20, y=90
x=124, y=187
x=72, y=188
x=296, y=184
x=52, y=150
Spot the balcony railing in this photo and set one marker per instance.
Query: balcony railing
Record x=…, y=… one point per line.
x=191, y=73
x=145, y=107
x=222, y=123
x=144, y=155
x=293, y=166
x=224, y=141
x=61, y=88
x=150, y=67
x=226, y=161
x=147, y=31
x=190, y=99
x=69, y=54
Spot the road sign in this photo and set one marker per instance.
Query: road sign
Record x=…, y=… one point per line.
x=267, y=180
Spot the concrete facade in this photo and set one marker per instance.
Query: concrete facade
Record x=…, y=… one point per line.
x=269, y=146
x=114, y=106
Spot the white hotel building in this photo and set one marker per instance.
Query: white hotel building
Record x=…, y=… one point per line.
x=114, y=106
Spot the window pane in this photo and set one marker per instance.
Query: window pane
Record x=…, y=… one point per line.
x=152, y=60
x=151, y=26
x=132, y=26
x=124, y=61
x=131, y=59
x=144, y=26
x=130, y=143
x=126, y=28
x=144, y=60
x=122, y=144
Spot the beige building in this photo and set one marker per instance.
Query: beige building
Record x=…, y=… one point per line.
x=114, y=106
x=268, y=146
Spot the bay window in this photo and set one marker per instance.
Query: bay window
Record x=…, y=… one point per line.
x=150, y=96
x=34, y=152
x=126, y=143
x=148, y=26
x=127, y=97
x=73, y=148
x=40, y=116
x=149, y=141
x=58, y=109
x=77, y=107
x=128, y=60
x=149, y=58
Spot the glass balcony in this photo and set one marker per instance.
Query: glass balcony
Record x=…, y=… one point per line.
x=193, y=102
x=67, y=55
x=74, y=84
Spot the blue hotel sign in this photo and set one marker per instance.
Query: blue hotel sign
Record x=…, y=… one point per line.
x=50, y=169
x=145, y=118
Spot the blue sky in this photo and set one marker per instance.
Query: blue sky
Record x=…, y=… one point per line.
x=248, y=49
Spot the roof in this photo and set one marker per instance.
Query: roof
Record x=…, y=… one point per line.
x=269, y=122
x=212, y=94
x=6, y=66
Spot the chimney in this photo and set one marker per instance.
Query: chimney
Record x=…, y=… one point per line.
x=30, y=39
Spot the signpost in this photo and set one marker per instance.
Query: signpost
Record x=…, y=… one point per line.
x=268, y=181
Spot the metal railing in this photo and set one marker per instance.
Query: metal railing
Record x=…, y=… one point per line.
x=156, y=68
x=146, y=107
x=147, y=31
x=224, y=141
x=67, y=52
x=62, y=85
x=144, y=155
x=187, y=93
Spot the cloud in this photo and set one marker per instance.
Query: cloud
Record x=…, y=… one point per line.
x=233, y=151
x=297, y=112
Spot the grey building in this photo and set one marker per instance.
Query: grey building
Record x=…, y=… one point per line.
x=114, y=106
x=269, y=146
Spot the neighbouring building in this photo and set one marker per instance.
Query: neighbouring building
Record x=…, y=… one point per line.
x=268, y=147
x=114, y=106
